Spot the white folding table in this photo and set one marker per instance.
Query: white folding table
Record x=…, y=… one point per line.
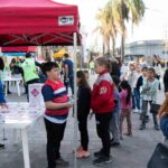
x=21, y=116
x=16, y=79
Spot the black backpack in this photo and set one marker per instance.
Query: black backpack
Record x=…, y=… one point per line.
x=159, y=158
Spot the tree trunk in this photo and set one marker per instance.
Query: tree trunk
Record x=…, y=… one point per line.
x=103, y=48
x=113, y=46
x=122, y=47
x=123, y=32
x=108, y=47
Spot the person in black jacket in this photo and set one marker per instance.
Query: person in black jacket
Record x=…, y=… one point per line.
x=165, y=80
x=83, y=109
x=116, y=69
x=139, y=84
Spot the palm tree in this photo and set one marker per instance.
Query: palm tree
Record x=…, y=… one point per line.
x=112, y=26
x=113, y=18
x=107, y=28
x=104, y=29
x=124, y=11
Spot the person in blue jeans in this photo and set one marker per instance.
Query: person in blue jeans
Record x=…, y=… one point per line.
x=163, y=115
x=68, y=73
x=165, y=80
x=139, y=84
x=2, y=103
x=2, y=94
x=115, y=120
x=132, y=80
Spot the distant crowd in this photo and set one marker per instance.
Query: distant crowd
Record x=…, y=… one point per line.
x=117, y=92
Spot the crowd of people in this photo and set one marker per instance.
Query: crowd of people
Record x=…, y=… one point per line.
x=112, y=99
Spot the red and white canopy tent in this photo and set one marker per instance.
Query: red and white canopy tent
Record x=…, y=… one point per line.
x=38, y=23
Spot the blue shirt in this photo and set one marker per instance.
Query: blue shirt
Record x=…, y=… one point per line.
x=69, y=63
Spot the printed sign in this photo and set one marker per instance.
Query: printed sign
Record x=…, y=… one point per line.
x=35, y=96
x=35, y=92
x=65, y=20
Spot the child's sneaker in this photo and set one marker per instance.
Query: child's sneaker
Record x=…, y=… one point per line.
x=98, y=153
x=128, y=134
x=2, y=146
x=142, y=127
x=156, y=127
x=115, y=144
x=86, y=154
x=102, y=159
x=82, y=154
x=61, y=162
x=78, y=149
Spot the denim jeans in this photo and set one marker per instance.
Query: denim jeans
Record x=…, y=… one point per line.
x=70, y=83
x=136, y=99
x=115, y=126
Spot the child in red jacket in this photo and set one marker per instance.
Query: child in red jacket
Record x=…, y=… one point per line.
x=102, y=103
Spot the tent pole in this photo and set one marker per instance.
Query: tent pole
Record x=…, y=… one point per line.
x=75, y=98
x=82, y=57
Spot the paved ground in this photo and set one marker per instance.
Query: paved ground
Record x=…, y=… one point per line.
x=134, y=152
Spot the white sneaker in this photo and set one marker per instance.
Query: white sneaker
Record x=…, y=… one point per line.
x=135, y=110
x=139, y=111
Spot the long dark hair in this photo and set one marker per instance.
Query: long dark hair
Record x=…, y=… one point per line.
x=125, y=85
x=83, y=82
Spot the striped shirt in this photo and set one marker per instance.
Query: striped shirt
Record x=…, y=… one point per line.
x=55, y=92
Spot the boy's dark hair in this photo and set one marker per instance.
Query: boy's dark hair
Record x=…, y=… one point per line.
x=46, y=67
x=28, y=55
x=144, y=68
x=86, y=71
x=66, y=55
x=2, y=65
x=152, y=70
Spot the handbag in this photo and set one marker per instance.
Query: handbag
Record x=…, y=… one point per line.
x=159, y=158
x=154, y=108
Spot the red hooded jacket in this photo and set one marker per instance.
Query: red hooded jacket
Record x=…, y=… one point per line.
x=102, y=100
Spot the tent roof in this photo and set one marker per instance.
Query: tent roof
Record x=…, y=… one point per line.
x=37, y=22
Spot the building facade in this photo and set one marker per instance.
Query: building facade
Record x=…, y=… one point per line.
x=148, y=48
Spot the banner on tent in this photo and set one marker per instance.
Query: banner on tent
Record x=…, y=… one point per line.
x=65, y=20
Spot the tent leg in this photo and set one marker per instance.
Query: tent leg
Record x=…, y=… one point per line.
x=75, y=98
